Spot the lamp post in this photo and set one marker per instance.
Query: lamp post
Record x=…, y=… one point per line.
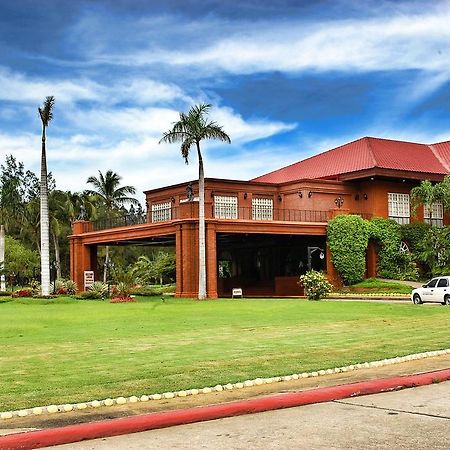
x=311, y=250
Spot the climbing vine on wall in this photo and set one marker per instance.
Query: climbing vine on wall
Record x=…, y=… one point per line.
x=348, y=237
x=393, y=262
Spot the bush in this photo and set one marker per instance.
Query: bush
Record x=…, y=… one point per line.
x=63, y=287
x=101, y=289
x=35, y=287
x=316, y=285
x=89, y=295
x=22, y=293
x=5, y=294
x=348, y=238
x=71, y=287
x=153, y=290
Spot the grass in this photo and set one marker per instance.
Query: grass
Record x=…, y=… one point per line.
x=373, y=285
x=66, y=350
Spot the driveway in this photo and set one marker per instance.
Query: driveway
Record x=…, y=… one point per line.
x=417, y=418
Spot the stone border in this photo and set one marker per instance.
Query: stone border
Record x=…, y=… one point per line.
x=68, y=407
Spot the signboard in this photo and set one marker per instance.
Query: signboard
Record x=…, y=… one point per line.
x=88, y=279
x=236, y=292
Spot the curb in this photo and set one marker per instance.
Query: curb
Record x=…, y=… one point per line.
x=134, y=424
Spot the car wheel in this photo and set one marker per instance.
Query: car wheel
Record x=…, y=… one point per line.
x=416, y=299
x=447, y=300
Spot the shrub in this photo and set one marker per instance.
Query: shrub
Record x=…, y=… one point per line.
x=5, y=294
x=35, y=287
x=89, y=295
x=348, y=238
x=316, y=285
x=101, y=289
x=71, y=287
x=152, y=290
x=63, y=287
x=122, y=289
x=22, y=293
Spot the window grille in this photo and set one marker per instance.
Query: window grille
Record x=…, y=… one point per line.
x=262, y=208
x=434, y=215
x=161, y=212
x=225, y=207
x=398, y=207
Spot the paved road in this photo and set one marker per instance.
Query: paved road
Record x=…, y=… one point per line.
x=416, y=418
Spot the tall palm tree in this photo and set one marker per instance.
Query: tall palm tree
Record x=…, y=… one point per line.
x=192, y=128
x=46, y=114
x=113, y=196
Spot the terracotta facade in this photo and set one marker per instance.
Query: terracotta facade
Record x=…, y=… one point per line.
x=300, y=211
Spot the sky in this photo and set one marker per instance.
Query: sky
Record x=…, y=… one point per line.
x=287, y=79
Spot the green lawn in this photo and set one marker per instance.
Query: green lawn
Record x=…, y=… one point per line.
x=72, y=350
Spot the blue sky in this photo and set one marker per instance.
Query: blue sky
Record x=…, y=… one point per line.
x=287, y=79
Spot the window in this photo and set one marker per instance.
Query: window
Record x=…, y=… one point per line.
x=161, y=212
x=434, y=215
x=432, y=283
x=225, y=207
x=398, y=207
x=442, y=282
x=262, y=208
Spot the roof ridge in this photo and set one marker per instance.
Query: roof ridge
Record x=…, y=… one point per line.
x=438, y=156
x=372, y=154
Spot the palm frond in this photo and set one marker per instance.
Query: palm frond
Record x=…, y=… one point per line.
x=46, y=112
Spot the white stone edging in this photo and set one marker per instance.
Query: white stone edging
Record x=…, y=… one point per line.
x=53, y=409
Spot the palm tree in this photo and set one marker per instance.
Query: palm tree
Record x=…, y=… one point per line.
x=46, y=114
x=192, y=128
x=113, y=197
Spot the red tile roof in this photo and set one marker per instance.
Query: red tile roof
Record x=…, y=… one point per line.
x=367, y=153
x=442, y=152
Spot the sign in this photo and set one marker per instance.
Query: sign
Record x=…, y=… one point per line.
x=88, y=279
x=236, y=292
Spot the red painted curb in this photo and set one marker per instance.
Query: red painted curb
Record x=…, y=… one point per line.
x=115, y=427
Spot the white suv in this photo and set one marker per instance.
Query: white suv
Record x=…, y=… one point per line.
x=436, y=290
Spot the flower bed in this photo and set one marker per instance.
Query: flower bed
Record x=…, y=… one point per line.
x=122, y=299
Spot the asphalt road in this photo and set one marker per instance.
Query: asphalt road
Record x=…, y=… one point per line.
x=417, y=418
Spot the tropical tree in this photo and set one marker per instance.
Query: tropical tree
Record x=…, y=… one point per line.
x=190, y=130
x=113, y=196
x=427, y=193
x=46, y=114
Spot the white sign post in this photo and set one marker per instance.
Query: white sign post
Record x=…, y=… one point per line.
x=88, y=279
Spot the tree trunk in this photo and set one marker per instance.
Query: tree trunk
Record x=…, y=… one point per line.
x=2, y=258
x=202, y=294
x=105, y=267
x=45, y=241
x=57, y=256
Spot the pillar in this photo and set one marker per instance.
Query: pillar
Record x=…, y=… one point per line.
x=186, y=244
x=211, y=260
x=332, y=274
x=82, y=257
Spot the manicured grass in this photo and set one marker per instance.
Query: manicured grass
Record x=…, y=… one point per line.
x=373, y=285
x=66, y=350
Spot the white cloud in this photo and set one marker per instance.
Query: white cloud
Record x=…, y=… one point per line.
x=20, y=88
x=398, y=42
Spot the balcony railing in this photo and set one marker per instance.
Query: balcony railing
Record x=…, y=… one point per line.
x=283, y=215
x=115, y=222
x=236, y=213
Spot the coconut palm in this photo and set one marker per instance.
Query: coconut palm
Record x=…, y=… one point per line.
x=46, y=114
x=113, y=196
x=192, y=128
